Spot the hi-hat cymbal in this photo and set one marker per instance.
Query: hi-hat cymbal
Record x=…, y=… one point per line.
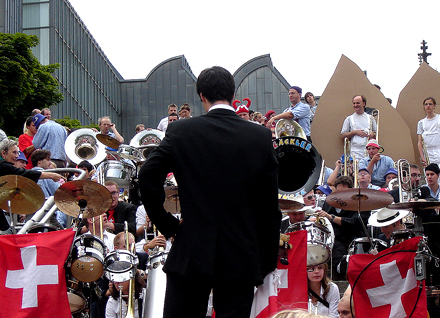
x=359, y=199
x=415, y=205
x=98, y=198
x=172, y=202
x=108, y=141
x=25, y=195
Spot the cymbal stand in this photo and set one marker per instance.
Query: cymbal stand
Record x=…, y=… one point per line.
x=13, y=218
x=77, y=222
x=359, y=197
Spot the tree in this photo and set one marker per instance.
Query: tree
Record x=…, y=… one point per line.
x=25, y=83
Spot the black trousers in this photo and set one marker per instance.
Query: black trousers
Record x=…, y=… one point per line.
x=187, y=296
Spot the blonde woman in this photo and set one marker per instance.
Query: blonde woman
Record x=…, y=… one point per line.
x=297, y=314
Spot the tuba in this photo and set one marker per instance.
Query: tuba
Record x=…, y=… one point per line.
x=147, y=140
x=82, y=144
x=299, y=161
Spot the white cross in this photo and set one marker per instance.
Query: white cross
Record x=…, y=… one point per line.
x=31, y=276
x=395, y=286
x=272, y=281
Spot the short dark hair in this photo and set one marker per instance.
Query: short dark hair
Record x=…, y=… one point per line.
x=85, y=164
x=216, y=84
x=38, y=155
x=432, y=98
x=29, y=120
x=173, y=115
x=344, y=180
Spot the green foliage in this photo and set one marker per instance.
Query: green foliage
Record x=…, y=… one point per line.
x=68, y=122
x=25, y=83
x=73, y=123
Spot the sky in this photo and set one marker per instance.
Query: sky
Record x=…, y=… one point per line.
x=305, y=39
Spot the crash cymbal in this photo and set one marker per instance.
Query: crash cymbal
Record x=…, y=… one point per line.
x=415, y=205
x=98, y=198
x=359, y=199
x=108, y=141
x=25, y=195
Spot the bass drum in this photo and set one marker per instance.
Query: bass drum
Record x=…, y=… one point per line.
x=319, y=241
x=77, y=301
x=42, y=228
x=156, y=285
x=362, y=245
x=88, y=254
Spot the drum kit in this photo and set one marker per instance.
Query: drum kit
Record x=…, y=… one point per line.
x=319, y=235
x=89, y=259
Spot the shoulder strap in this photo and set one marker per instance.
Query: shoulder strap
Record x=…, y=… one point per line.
x=322, y=301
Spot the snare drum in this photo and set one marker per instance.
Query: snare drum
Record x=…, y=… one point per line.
x=120, y=266
x=363, y=246
x=119, y=172
x=319, y=241
x=399, y=236
x=88, y=254
x=130, y=152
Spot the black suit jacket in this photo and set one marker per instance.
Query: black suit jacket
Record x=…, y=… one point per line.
x=125, y=212
x=226, y=171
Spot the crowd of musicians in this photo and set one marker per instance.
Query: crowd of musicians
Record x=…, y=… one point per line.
x=363, y=165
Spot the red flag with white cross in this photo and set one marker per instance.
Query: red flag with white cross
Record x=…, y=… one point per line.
x=286, y=287
x=32, y=275
x=385, y=284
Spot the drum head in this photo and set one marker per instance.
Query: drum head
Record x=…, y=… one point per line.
x=87, y=258
x=87, y=269
x=77, y=301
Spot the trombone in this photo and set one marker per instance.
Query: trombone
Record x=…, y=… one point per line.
x=375, y=114
x=355, y=172
x=347, y=145
x=425, y=152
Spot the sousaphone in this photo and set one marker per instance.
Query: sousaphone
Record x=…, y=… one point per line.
x=82, y=144
x=299, y=161
x=147, y=140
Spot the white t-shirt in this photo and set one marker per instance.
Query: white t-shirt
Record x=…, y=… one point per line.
x=163, y=124
x=430, y=131
x=364, y=122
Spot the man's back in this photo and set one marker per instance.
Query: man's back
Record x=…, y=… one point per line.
x=226, y=170
x=51, y=136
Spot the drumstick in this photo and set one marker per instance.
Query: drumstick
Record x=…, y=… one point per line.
x=100, y=226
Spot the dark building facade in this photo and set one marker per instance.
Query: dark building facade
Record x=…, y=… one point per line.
x=93, y=88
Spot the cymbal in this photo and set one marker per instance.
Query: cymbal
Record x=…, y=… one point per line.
x=97, y=196
x=108, y=141
x=359, y=199
x=25, y=195
x=290, y=204
x=172, y=202
x=415, y=205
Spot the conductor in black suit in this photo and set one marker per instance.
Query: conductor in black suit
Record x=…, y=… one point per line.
x=226, y=171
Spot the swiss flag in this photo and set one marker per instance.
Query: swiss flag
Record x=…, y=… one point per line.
x=32, y=276
x=286, y=287
x=387, y=288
